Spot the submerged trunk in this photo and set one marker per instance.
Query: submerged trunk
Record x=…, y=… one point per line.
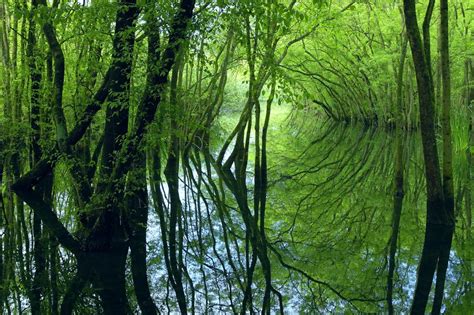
x=102, y=263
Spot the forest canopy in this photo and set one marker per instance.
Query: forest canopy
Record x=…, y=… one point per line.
x=236, y=156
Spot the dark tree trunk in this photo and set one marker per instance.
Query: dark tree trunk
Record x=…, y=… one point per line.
x=398, y=192
x=437, y=218
x=172, y=177
x=101, y=256
x=137, y=226
x=54, y=267
x=45, y=186
x=109, y=278
x=448, y=186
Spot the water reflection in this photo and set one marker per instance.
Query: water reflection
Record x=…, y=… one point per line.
x=328, y=224
x=332, y=210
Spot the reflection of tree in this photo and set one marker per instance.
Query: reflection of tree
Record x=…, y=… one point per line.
x=247, y=216
x=338, y=199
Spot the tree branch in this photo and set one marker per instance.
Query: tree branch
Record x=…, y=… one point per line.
x=49, y=218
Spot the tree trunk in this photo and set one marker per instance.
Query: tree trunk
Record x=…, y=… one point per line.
x=437, y=218
x=109, y=278
x=136, y=230
x=398, y=192
x=172, y=177
x=448, y=187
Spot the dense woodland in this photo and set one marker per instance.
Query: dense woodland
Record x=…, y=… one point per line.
x=236, y=156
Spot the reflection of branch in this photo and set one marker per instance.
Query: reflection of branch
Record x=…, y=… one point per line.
x=323, y=283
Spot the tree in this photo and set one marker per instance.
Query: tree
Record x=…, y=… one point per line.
x=440, y=219
x=102, y=250
x=232, y=156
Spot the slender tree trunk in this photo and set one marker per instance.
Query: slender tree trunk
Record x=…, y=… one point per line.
x=172, y=178
x=436, y=216
x=3, y=289
x=448, y=187
x=58, y=80
x=469, y=100
x=53, y=269
x=138, y=222
x=398, y=192
x=7, y=111
x=44, y=189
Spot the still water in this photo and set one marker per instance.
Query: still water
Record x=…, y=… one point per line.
x=329, y=215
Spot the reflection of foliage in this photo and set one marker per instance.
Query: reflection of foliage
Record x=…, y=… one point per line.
x=260, y=212
x=330, y=214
